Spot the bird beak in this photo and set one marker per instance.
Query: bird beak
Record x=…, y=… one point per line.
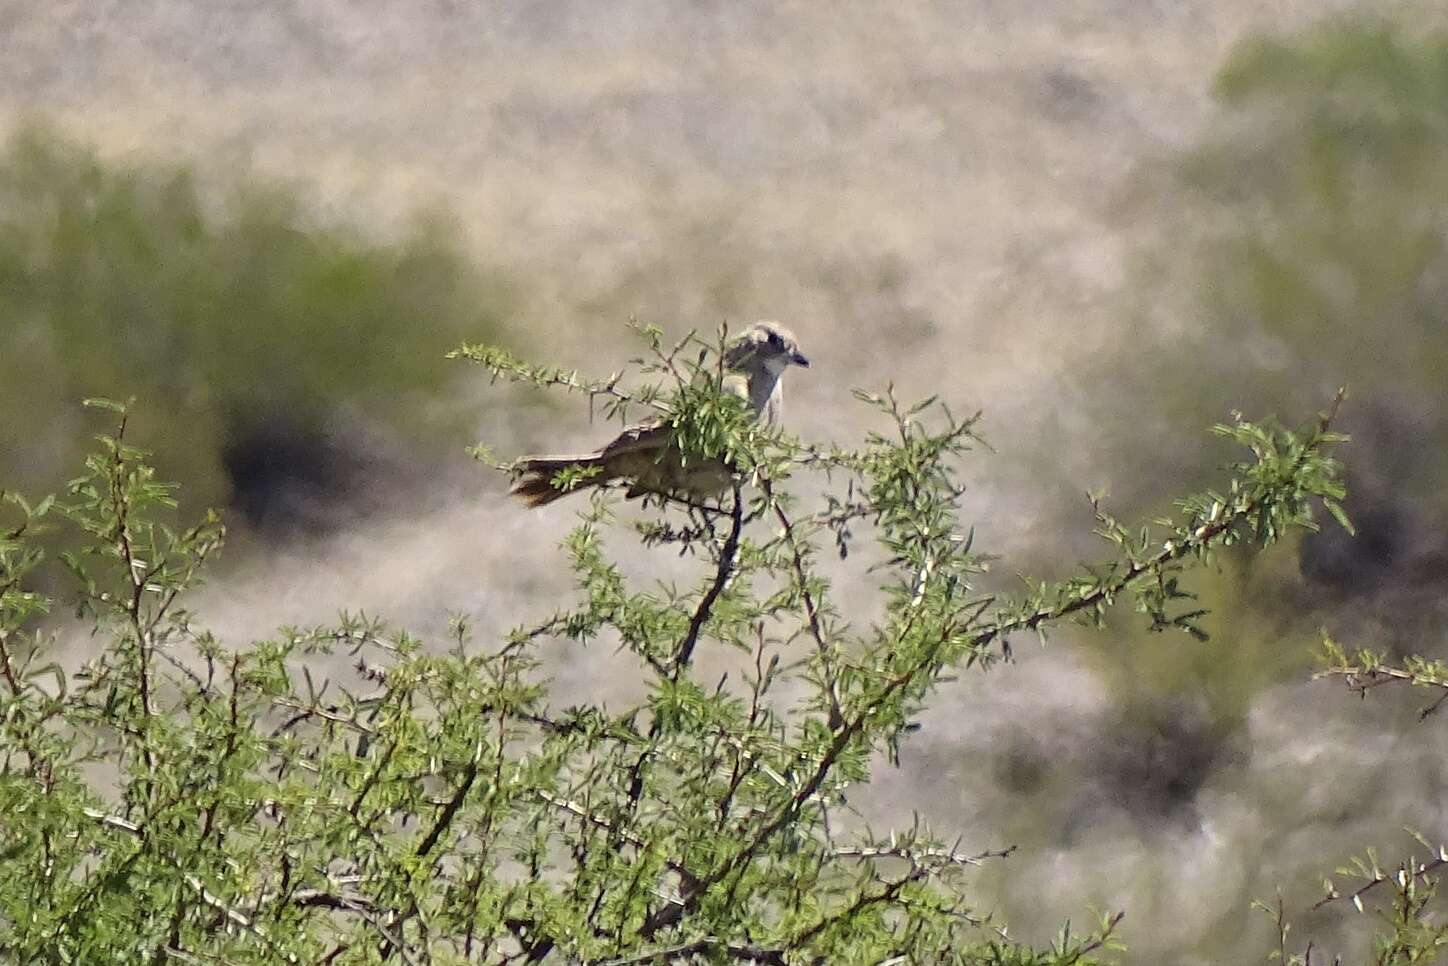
x=798, y=359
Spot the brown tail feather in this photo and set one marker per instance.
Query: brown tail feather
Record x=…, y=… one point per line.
x=534, y=485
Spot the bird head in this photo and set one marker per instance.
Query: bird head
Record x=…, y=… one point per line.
x=764, y=345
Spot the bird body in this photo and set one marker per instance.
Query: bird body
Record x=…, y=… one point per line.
x=646, y=456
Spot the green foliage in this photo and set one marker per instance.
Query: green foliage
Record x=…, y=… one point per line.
x=230, y=310
x=177, y=798
x=1295, y=247
x=1300, y=244
x=1345, y=258
x=1400, y=899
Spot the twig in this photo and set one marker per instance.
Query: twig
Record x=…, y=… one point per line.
x=1098, y=942
x=690, y=950
x=1423, y=871
x=921, y=856
x=232, y=915
x=1362, y=679
x=728, y=556
x=811, y=607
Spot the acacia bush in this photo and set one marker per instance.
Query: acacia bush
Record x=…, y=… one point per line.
x=175, y=797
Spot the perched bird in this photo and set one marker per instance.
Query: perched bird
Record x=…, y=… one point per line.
x=645, y=455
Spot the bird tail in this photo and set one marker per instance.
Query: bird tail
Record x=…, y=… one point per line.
x=534, y=484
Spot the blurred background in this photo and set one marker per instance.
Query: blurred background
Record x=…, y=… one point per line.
x=1107, y=224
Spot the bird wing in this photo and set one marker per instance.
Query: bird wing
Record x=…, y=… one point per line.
x=645, y=437
x=640, y=438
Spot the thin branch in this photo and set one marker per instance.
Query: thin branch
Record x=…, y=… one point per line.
x=811, y=607
x=1423, y=871
x=693, y=948
x=1097, y=943
x=863, y=901
x=1170, y=552
x=450, y=810
x=926, y=856
x=1363, y=678
x=724, y=568
x=845, y=734
x=391, y=941
x=7, y=669
x=230, y=912
x=687, y=877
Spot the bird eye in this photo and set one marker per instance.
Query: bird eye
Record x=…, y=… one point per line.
x=775, y=340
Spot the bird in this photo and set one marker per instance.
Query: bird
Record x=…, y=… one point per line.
x=645, y=455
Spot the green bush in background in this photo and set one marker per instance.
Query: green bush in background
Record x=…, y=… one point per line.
x=1302, y=241
x=251, y=330
x=1339, y=250
x=1298, y=246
